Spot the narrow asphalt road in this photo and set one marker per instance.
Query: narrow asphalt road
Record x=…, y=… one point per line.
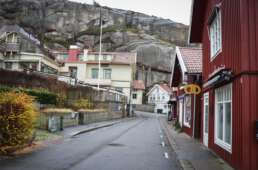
x=138, y=144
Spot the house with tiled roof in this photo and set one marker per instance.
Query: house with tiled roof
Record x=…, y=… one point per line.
x=138, y=91
x=159, y=95
x=187, y=71
x=115, y=71
x=20, y=51
x=228, y=32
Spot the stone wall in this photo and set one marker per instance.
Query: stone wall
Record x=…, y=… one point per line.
x=36, y=80
x=144, y=108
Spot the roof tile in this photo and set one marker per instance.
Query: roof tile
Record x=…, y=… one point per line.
x=192, y=58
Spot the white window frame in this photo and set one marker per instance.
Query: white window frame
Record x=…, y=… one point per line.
x=215, y=34
x=219, y=142
x=134, y=94
x=187, y=124
x=105, y=71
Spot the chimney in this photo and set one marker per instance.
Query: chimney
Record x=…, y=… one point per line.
x=85, y=55
x=73, y=53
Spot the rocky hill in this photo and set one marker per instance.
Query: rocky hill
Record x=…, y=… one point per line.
x=60, y=23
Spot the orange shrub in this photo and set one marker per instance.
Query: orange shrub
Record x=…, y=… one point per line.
x=17, y=115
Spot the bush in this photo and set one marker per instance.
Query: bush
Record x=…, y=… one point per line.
x=17, y=115
x=43, y=96
x=178, y=126
x=82, y=104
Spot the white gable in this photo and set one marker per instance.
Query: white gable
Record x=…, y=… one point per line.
x=156, y=89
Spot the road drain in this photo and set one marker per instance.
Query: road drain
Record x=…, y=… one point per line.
x=116, y=145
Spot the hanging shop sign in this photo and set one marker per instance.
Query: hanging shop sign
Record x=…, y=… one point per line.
x=192, y=89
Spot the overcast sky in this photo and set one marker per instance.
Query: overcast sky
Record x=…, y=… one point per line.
x=176, y=10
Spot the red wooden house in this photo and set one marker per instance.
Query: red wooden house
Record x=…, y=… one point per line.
x=228, y=31
x=188, y=70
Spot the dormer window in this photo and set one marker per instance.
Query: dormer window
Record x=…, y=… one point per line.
x=215, y=33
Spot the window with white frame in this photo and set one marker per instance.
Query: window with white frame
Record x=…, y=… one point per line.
x=107, y=73
x=223, y=117
x=187, y=111
x=215, y=33
x=134, y=96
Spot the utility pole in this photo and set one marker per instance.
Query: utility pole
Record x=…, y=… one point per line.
x=100, y=47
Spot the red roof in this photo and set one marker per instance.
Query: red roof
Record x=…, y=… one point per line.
x=138, y=85
x=166, y=88
x=192, y=58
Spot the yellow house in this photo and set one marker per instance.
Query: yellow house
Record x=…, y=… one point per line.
x=116, y=70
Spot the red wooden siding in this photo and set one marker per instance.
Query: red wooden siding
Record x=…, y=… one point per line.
x=235, y=157
x=230, y=55
x=188, y=130
x=240, y=53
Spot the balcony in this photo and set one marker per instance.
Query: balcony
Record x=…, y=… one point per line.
x=11, y=47
x=67, y=80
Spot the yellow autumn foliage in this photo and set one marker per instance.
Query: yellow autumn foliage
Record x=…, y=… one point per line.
x=17, y=116
x=82, y=104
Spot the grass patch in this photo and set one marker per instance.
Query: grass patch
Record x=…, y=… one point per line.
x=43, y=135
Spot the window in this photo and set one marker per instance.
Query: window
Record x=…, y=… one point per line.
x=104, y=57
x=96, y=57
x=107, y=73
x=215, y=33
x=94, y=73
x=134, y=96
x=187, y=111
x=73, y=72
x=163, y=97
x=8, y=65
x=120, y=89
x=223, y=117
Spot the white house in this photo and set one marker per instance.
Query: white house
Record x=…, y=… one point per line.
x=138, y=90
x=22, y=51
x=159, y=95
x=116, y=68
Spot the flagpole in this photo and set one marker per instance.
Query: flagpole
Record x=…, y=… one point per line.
x=100, y=48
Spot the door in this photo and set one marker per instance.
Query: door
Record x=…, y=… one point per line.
x=206, y=119
x=181, y=112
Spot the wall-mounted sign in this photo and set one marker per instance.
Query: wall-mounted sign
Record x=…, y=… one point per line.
x=192, y=89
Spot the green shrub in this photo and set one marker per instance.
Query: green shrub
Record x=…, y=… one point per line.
x=5, y=89
x=43, y=96
x=17, y=115
x=178, y=126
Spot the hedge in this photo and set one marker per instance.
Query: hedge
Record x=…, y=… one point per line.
x=43, y=96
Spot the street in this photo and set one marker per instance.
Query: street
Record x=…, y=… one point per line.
x=138, y=144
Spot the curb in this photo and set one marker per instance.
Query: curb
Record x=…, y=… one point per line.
x=185, y=164
x=99, y=127
x=92, y=129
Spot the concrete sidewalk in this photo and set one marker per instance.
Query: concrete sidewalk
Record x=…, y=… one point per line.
x=191, y=154
x=76, y=130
